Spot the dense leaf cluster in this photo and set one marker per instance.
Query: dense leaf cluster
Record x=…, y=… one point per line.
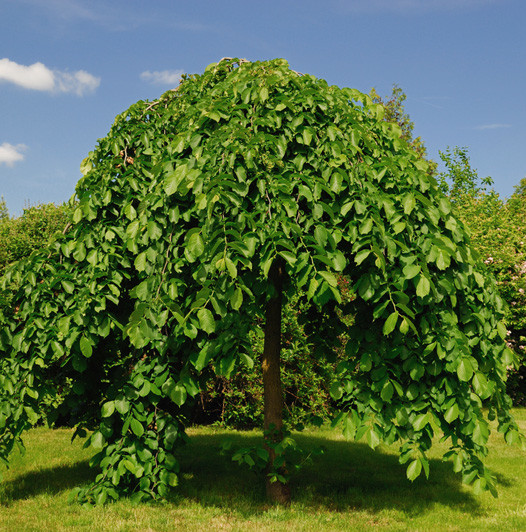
x=182, y=211
x=498, y=234
x=238, y=401
x=19, y=236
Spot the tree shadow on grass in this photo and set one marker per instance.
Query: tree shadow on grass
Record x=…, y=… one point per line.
x=49, y=480
x=348, y=476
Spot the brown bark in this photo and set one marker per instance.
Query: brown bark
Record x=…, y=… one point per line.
x=273, y=396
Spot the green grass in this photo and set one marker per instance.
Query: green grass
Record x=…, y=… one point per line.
x=350, y=487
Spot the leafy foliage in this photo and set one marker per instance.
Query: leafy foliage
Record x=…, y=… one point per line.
x=498, y=233
x=20, y=236
x=395, y=112
x=4, y=213
x=30, y=231
x=237, y=401
x=182, y=211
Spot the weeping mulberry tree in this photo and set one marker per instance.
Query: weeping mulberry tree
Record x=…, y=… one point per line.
x=198, y=217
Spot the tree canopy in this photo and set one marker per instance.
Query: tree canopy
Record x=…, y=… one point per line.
x=198, y=214
x=498, y=234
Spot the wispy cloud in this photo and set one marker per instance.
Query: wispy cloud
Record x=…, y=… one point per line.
x=492, y=126
x=10, y=154
x=163, y=77
x=41, y=78
x=368, y=6
x=112, y=16
x=433, y=101
x=65, y=9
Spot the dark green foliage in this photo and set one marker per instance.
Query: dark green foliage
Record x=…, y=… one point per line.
x=182, y=211
x=238, y=401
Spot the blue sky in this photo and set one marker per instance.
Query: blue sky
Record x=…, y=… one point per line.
x=67, y=67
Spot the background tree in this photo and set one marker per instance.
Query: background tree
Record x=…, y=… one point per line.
x=4, y=213
x=395, y=112
x=498, y=234
x=20, y=236
x=201, y=214
x=34, y=229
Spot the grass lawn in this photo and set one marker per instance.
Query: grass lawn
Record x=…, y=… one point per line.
x=350, y=487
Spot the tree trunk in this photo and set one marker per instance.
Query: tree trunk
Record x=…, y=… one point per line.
x=273, y=396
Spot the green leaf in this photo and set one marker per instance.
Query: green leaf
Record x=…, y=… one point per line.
x=443, y=260
x=421, y=421
x=336, y=391
x=387, y=392
x=214, y=116
x=320, y=234
x=339, y=261
x=86, y=165
x=153, y=230
x=512, y=437
x=32, y=416
x=107, y=409
x=408, y=203
x=366, y=226
x=122, y=405
x=288, y=256
x=68, y=286
x=307, y=135
x=195, y=244
x=206, y=320
x=411, y=270
x=372, y=438
x=502, y=330
x=85, y=347
x=171, y=479
x=444, y=205
x=452, y=413
x=313, y=286
x=77, y=215
x=465, y=370
x=361, y=256
x=128, y=464
x=390, y=323
x=178, y=394
x=136, y=427
x=480, y=384
x=237, y=299
x=404, y=326
x=248, y=361
x=423, y=286
x=263, y=93
x=231, y=267
x=140, y=261
x=414, y=469
x=97, y=440
x=173, y=180
x=330, y=278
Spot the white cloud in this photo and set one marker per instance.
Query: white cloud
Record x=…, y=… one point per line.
x=10, y=154
x=41, y=78
x=80, y=82
x=492, y=126
x=367, y=6
x=37, y=76
x=163, y=77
